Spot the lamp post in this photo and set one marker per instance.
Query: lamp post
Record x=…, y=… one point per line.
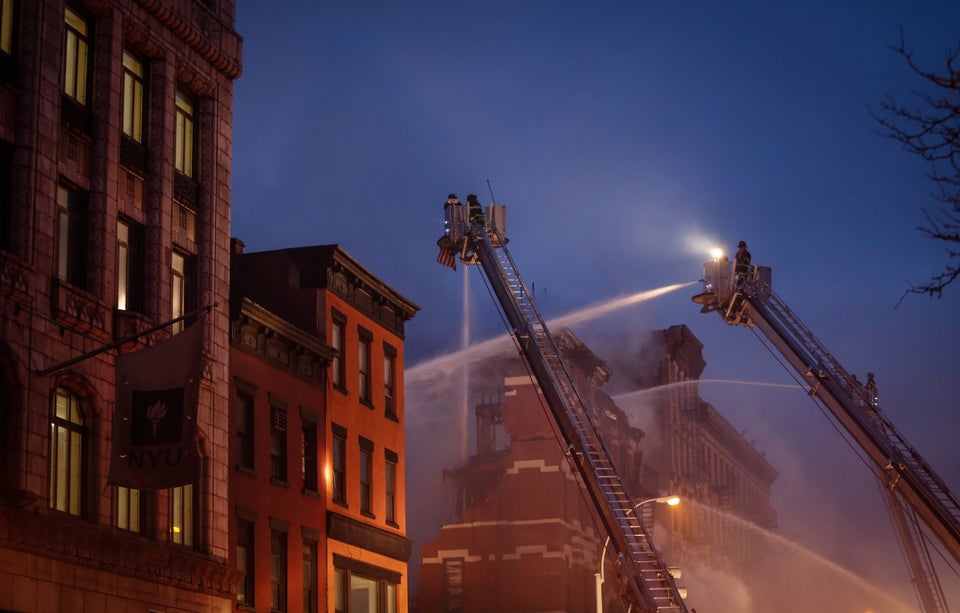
x=669, y=500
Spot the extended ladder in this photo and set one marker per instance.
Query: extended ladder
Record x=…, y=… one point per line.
x=912, y=488
x=648, y=576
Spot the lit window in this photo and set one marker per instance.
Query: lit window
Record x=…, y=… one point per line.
x=181, y=290
x=128, y=509
x=6, y=26
x=182, y=515
x=185, y=145
x=76, y=56
x=133, y=100
x=355, y=591
x=66, y=453
x=129, y=266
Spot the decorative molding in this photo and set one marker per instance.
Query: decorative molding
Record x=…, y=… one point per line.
x=15, y=280
x=195, y=39
x=79, y=310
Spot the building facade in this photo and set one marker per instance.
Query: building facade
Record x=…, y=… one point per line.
x=525, y=539
x=115, y=158
x=356, y=514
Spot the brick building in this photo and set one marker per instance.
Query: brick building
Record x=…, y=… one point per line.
x=115, y=160
x=344, y=513
x=525, y=539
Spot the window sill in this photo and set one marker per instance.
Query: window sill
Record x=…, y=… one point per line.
x=279, y=482
x=368, y=514
x=246, y=470
x=309, y=493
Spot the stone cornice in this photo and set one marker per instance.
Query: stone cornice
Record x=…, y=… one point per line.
x=229, y=67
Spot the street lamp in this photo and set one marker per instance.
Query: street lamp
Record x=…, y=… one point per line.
x=668, y=500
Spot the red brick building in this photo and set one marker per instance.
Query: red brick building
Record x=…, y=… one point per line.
x=525, y=539
x=115, y=130
x=352, y=511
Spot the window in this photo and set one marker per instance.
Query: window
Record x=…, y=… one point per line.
x=366, y=476
x=182, y=515
x=390, y=487
x=389, y=381
x=128, y=509
x=76, y=56
x=308, y=456
x=339, y=464
x=278, y=570
x=184, y=145
x=129, y=266
x=133, y=99
x=182, y=287
x=71, y=236
x=245, y=429
x=6, y=26
x=66, y=452
x=363, y=360
x=278, y=444
x=336, y=341
x=361, y=587
x=245, y=561
x=309, y=576
x=453, y=580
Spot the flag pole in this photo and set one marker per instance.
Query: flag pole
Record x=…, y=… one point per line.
x=123, y=341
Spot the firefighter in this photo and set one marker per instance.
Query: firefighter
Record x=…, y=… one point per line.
x=871, y=387
x=741, y=263
x=476, y=210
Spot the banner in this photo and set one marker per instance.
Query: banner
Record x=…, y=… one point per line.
x=154, y=441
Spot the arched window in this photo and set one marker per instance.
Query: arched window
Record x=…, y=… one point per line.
x=66, y=452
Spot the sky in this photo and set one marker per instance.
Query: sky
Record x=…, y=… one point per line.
x=626, y=138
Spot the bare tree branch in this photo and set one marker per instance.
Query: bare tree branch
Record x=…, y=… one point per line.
x=930, y=128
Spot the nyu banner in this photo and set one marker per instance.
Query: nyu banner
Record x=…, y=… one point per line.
x=155, y=416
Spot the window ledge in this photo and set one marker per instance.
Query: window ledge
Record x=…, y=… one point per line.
x=279, y=482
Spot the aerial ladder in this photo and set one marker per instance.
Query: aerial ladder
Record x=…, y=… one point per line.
x=742, y=296
x=475, y=238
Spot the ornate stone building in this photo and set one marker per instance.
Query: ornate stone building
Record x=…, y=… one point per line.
x=115, y=161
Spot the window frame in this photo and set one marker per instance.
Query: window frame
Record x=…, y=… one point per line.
x=129, y=266
x=133, y=97
x=185, y=130
x=364, y=366
x=246, y=564
x=278, y=442
x=390, y=382
x=338, y=326
x=391, y=461
x=338, y=464
x=308, y=456
x=128, y=508
x=245, y=433
x=279, y=576
x=78, y=31
x=182, y=518
x=365, y=474
x=66, y=465
x=71, y=251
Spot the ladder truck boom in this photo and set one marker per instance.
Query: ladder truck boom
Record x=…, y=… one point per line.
x=911, y=487
x=478, y=239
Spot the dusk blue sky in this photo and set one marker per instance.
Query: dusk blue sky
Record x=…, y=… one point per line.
x=626, y=138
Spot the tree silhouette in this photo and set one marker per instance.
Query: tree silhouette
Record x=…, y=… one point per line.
x=930, y=128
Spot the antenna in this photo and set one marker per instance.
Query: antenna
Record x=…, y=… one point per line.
x=490, y=187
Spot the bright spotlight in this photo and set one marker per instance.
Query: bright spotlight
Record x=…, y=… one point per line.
x=716, y=253
x=673, y=501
